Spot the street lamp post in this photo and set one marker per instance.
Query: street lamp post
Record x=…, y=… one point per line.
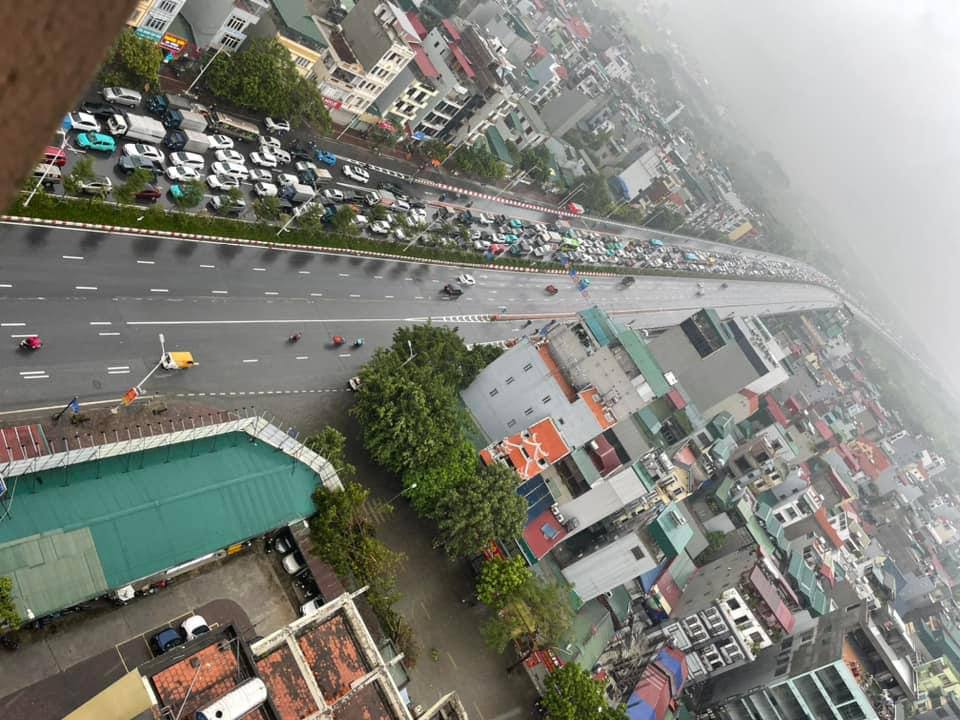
x=411, y=487
x=137, y=389
x=204, y=68
x=46, y=170
x=412, y=354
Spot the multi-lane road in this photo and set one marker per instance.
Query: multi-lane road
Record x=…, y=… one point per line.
x=98, y=301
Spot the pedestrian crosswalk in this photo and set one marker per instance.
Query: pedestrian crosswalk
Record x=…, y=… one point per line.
x=461, y=319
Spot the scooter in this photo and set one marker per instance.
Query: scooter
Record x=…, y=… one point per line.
x=294, y=338
x=31, y=343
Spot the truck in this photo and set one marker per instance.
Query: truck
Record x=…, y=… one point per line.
x=136, y=127
x=160, y=103
x=234, y=127
x=313, y=176
x=187, y=140
x=384, y=198
x=184, y=120
x=298, y=193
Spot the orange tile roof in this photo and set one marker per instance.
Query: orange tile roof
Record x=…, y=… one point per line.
x=543, y=442
x=286, y=685
x=828, y=530
x=333, y=656
x=367, y=703
x=590, y=397
x=554, y=370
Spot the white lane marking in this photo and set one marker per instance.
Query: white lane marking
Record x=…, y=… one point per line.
x=72, y=257
x=85, y=287
x=354, y=295
x=344, y=274
x=259, y=269
x=209, y=267
x=378, y=277
x=118, y=372
x=270, y=292
x=35, y=377
x=303, y=272
x=100, y=322
x=5, y=285
x=119, y=367
x=33, y=372
x=159, y=290
x=219, y=292
x=344, y=354
x=388, y=297
x=316, y=294
x=21, y=336
x=303, y=357
x=13, y=324
x=145, y=262
x=106, y=334
x=252, y=360
x=419, y=297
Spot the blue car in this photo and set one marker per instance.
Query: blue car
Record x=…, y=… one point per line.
x=96, y=141
x=176, y=191
x=166, y=640
x=326, y=158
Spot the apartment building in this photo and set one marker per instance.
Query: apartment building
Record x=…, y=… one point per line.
x=223, y=23
x=152, y=18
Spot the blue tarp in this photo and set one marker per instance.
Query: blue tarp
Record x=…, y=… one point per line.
x=649, y=578
x=673, y=667
x=638, y=709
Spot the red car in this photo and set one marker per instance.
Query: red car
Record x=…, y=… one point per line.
x=149, y=194
x=574, y=208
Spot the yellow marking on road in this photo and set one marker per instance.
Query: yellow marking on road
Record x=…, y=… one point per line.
x=452, y=660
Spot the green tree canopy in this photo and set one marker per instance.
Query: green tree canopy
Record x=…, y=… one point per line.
x=132, y=62
x=343, y=220
x=537, y=162
x=473, y=514
x=436, y=480
x=501, y=580
x=191, y=194
x=480, y=162
x=377, y=212
x=81, y=172
x=331, y=445
x=263, y=78
x=9, y=617
x=433, y=150
x=595, y=194
x=538, y=614
x=137, y=181
x=572, y=694
x=267, y=208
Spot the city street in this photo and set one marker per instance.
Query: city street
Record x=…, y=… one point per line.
x=98, y=301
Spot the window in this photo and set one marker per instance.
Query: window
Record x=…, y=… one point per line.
x=167, y=6
x=528, y=367
x=155, y=23
x=494, y=392
x=545, y=399
x=756, y=637
x=236, y=23
x=733, y=604
x=303, y=62
x=510, y=379
x=229, y=42
x=528, y=411
x=637, y=552
x=511, y=423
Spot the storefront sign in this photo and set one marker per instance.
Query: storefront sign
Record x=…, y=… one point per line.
x=148, y=34
x=173, y=44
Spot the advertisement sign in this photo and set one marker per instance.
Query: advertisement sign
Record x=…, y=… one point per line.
x=331, y=103
x=148, y=34
x=173, y=44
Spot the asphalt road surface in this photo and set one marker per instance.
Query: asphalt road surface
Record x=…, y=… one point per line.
x=98, y=301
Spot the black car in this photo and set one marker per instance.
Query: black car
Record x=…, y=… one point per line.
x=452, y=290
x=100, y=110
x=127, y=164
x=391, y=186
x=418, y=205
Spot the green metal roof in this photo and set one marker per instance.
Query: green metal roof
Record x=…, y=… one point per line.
x=497, y=145
x=296, y=18
x=619, y=601
x=592, y=632
x=772, y=525
x=648, y=482
x=756, y=531
x=642, y=357
x=85, y=528
x=648, y=420
x=599, y=324
x=671, y=531
x=585, y=465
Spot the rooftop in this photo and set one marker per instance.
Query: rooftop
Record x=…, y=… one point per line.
x=299, y=23
x=530, y=451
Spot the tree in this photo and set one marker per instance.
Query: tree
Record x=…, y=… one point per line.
x=267, y=208
x=132, y=62
x=572, y=694
x=191, y=194
x=262, y=78
x=234, y=197
x=137, y=181
x=9, y=617
x=435, y=480
x=433, y=150
x=596, y=193
x=473, y=514
x=331, y=445
x=537, y=162
x=445, y=8
x=479, y=161
x=82, y=172
x=443, y=352
x=537, y=615
x=377, y=212
x=342, y=221
x=501, y=580
x=663, y=218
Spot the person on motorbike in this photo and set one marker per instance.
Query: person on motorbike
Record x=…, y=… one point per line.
x=295, y=337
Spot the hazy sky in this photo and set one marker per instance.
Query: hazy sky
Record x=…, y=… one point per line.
x=859, y=100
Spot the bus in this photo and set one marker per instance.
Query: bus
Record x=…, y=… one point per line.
x=234, y=127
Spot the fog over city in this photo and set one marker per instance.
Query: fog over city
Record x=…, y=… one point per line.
x=857, y=101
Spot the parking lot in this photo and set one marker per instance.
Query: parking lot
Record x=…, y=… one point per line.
x=258, y=160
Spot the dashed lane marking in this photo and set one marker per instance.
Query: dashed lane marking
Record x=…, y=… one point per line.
x=228, y=393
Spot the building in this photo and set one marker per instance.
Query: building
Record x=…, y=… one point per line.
x=93, y=520
x=324, y=666
x=222, y=23
x=152, y=18
x=299, y=30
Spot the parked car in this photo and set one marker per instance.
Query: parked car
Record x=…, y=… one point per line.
x=98, y=186
x=220, y=142
x=166, y=640
x=142, y=150
x=282, y=156
x=194, y=626
x=271, y=143
x=221, y=181
x=260, y=175
x=127, y=164
x=263, y=159
x=380, y=228
x=282, y=544
x=150, y=193
x=227, y=206
x=229, y=156
x=356, y=174
x=96, y=141
x=121, y=96
x=182, y=173
x=99, y=110
x=276, y=125
x=82, y=122
x=265, y=189
x=292, y=563
x=235, y=170
x=284, y=179
x=333, y=195
x=311, y=606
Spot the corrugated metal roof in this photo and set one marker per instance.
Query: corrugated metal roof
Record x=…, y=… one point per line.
x=642, y=357
x=149, y=512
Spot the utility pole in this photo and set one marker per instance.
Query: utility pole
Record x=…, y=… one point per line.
x=204, y=68
x=46, y=170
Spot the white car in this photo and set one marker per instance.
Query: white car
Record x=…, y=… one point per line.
x=284, y=179
x=188, y=158
x=269, y=142
x=291, y=564
x=333, y=195
x=280, y=126
x=310, y=606
x=360, y=220
x=418, y=216
x=219, y=181
x=263, y=159
x=282, y=156
x=466, y=279
x=182, y=173
x=121, y=96
x=194, y=626
x=380, y=228
x=306, y=165
x=220, y=142
x=141, y=150
x=260, y=175
x=230, y=156
x=400, y=235
x=356, y=174
x=265, y=189
x=83, y=122
x=229, y=168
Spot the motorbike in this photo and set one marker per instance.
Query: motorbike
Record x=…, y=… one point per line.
x=31, y=343
x=358, y=342
x=295, y=337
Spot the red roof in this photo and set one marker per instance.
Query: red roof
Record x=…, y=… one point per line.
x=669, y=590
x=562, y=72
x=676, y=399
x=543, y=534
x=823, y=429
x=462, y=60
x=870, y=457
x=753, y=400
x=654, y=690
x=776, y=412
x=849, y=458
x=451, y=29
x=685, y=456
x=792, y=405
x=768, y=593
x=531, y=450
x=604, y=455
x=828, y=530
x=578, y=28
x=423, y=62
x=417, y=24
x=539, y=52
